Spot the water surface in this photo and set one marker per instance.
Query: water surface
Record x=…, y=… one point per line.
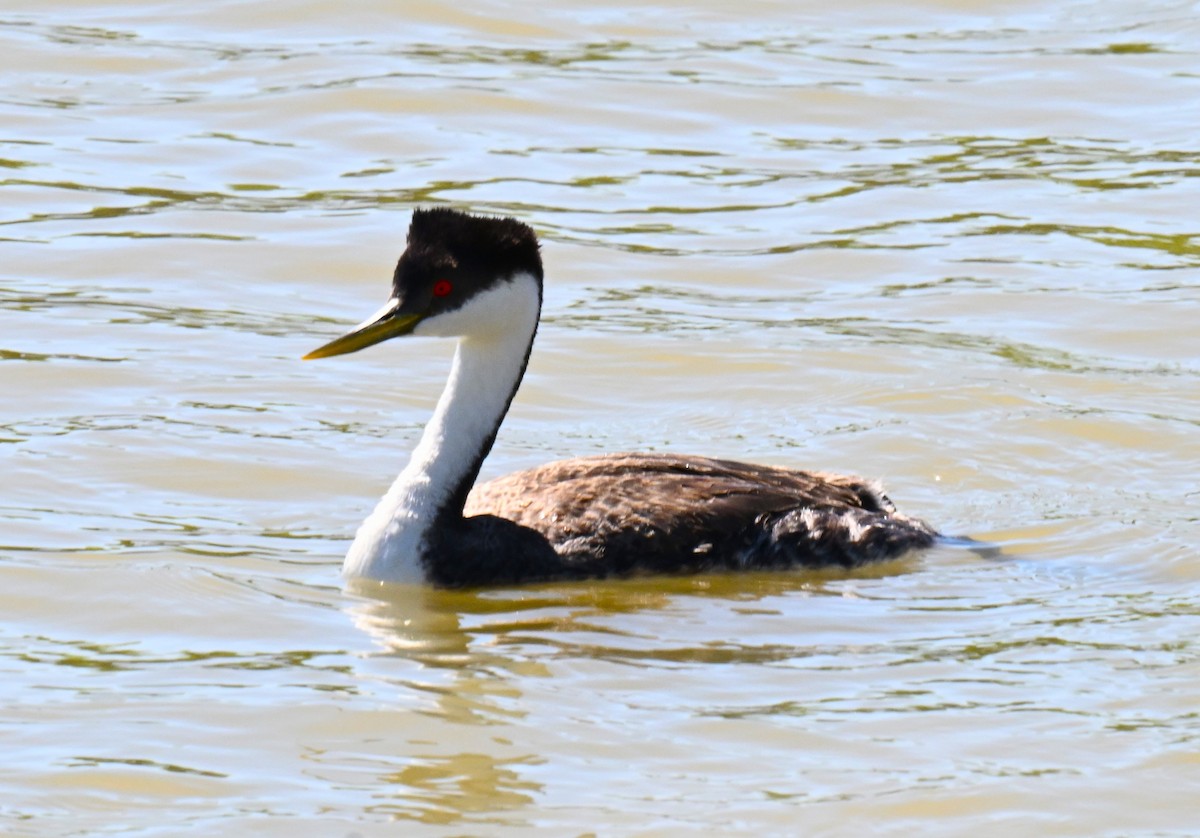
x=949, y=245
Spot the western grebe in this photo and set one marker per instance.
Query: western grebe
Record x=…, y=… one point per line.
x=480, y=280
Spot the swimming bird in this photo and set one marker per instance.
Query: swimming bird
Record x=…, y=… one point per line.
x=479, y=279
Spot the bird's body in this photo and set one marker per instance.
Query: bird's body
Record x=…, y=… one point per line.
x=480, y=279
x=618, y=514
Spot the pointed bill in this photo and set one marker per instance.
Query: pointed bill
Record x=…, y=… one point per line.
x=383, y=324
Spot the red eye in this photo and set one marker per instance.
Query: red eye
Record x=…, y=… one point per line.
x=442, y=287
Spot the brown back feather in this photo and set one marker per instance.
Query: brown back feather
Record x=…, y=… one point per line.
x=649, y=510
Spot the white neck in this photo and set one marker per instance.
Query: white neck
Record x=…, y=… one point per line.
x=496, y=329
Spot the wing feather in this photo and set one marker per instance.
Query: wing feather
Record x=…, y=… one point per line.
x=670, y=513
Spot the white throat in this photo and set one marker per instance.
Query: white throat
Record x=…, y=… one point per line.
x=495, y=329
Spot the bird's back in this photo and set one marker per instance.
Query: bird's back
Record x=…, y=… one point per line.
x=665, y=513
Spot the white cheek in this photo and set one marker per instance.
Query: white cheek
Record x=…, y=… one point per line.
x=465, y=320
x=502, y=308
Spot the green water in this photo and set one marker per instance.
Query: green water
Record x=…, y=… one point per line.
x=952, y=246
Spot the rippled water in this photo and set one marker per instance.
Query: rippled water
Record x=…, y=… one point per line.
x=950, y=245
